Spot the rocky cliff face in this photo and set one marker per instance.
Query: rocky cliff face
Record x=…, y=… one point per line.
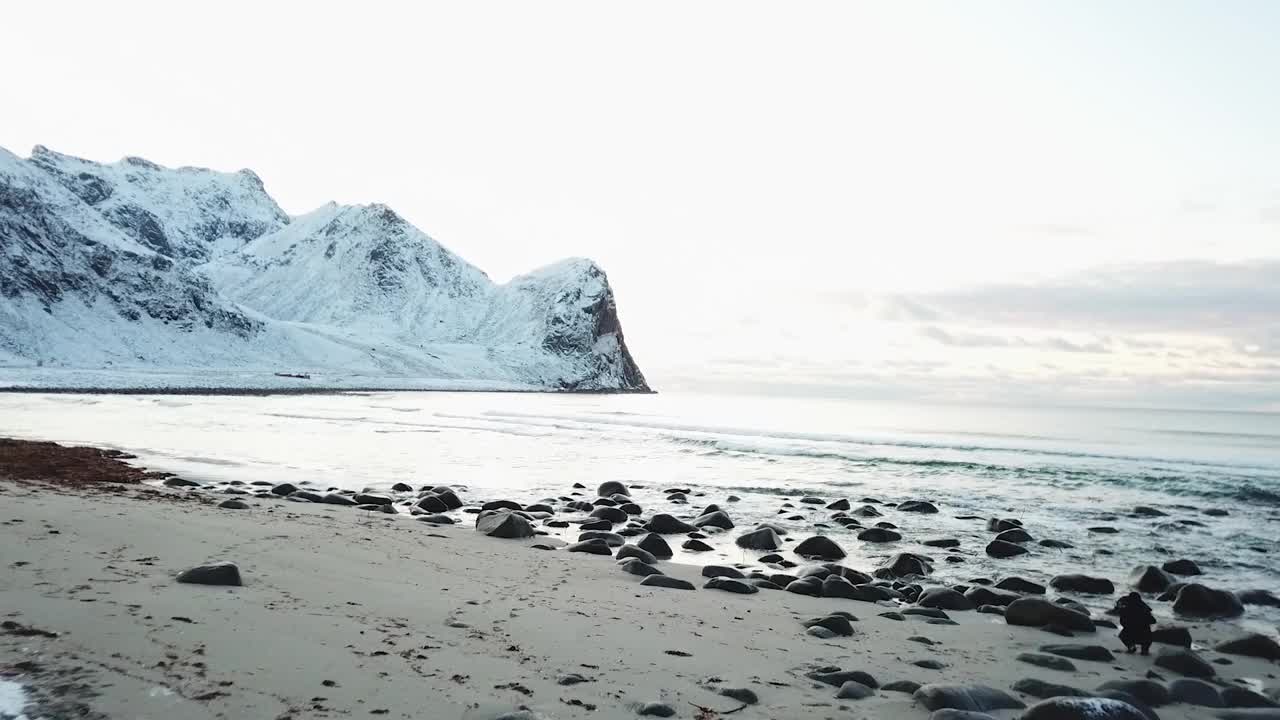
x=132, y=265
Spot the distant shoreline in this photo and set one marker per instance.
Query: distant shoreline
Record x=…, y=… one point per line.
x=261, y=392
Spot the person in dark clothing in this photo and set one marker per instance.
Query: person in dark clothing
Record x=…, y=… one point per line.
x=1135, y=622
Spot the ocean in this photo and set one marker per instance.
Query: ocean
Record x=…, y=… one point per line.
x=1059, y=470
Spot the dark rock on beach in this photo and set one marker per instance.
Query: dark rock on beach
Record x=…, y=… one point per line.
x=979, y=698
x=664, y=581
x=696, y=546
x=233, y=504
x=665, y=524
x=1094, y=653
x=1181, y=567
x=759, y=539
x=635, y=566
x=631, y=551
x=1078, y=583
x=655, y=545
x=730, y=585
x=918, y=506
x=879, y=535
x=1148, y=692
x=1251, y=645
x=1038, y=612
x=501, y=524
x=945, y=599
x=1196, y=600
x=821, y=547
x=1003, y=549
x=1051, y=662
x=1184, y=662
x=611, y=487
x=1037, y=688
x=594, y=546
x=1078, y=708
x=1150, y=579
x=224, y=573
x=1195, y=692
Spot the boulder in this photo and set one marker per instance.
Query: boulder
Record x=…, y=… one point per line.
x=1195, y=692
x=1085, y=584
x=942, y=543
x=740, y=587
x=918, y=506
x=1148, y=691
x=945, y=599
x=665, y=524
x=664, y=581
x=1057, y=544
x=1184, y=662
x=986, y=596
x=491, y=505
x=612, y=487
x=879, y=535
x=977, y=698
x=854, y=690
x=1150, y=579
x=1080, y=708
x=223, y=573
x=1002, y=549
x=838, y=624
x=655, y=546
x=718, y=518
x=1041, y=689
x=836, y=678
x=999, y=525
x=338, y=499
x=635, y=566
x=284, y=489
x=591, y=547
x=1015, y=535
x=502, y=524
x=233, y=504
x=810, y=586
x=610, y=514
x=1019, y=585
x=759, y=539
x=631, y=551
x=1196, y=600
x=1238, y=697
x=1038, y=612
x=1251, y=645
x=711, y=571
x=696, y=546
x=1181, y=567
x=1171, y=635
x=1051, y=662
x=611, y=539
x=906, y=564
x=819, y=546
x=430, y=503
x=1258, y=597
x=1095, y=653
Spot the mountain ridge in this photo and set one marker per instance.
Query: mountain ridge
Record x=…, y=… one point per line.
x=137, y=270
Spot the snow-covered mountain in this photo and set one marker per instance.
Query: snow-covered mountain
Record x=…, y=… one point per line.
x=131, y=274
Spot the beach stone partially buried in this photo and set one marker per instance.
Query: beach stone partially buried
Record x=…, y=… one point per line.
x=502, y=524
x=854, y=690
x=1079, y=583
x=233, y=504
x=1182, y=566
x=718, y=518
x=837, y=624
x=696, y=546
x=746, y=696
x=1238, y=697
x=1184, y=662
x=593, y=547
x=1041, y=689
x=740, y=587
x=656, y=709
x=979, y=596
x=819, y=546
x=1196, y=600
x=664, y=581
x=944, y=599
x=631, y=551
x=1019, y=585
x=979, y=698
x=665, y=524
x=918, y=506
x=1251, y=645
x=904, y=564
x=1150, y=579
x=759, y=539
x=655, y=545
x=1081, y=708
x=1148, y=691
x=879, y=535
x=1195, y=692
x=1004, y=549
x=1051, y=662
x=1258, y=597
x=1093, y=653
x=635, y=566
x=612, y=487
x=224, y=573
x=284, y=489
x=1015, y=535
x=1038, y=612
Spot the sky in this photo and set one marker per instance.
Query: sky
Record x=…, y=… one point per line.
x=1074, y=202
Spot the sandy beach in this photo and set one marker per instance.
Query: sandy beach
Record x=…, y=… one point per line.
x=347, y=613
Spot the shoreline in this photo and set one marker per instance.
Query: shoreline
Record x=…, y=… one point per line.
x=264, y=392
x=421, y=619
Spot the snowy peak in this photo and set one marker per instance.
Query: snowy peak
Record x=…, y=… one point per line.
x=187, y=213
x=131, y=264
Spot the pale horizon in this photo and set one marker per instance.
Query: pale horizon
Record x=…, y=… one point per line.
x=1025, y=203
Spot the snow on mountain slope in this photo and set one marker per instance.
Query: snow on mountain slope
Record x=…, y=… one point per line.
x=182, y=213
x=125, y=273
